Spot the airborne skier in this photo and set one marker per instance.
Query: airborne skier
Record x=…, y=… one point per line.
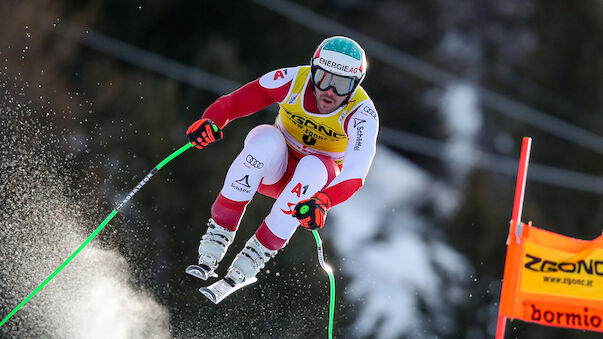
x=315, y=156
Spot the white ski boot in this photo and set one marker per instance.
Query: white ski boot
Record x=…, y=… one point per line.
x=212, y=249
x=242, y=272
x=249, y=262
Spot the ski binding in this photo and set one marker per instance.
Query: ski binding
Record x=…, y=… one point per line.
x=200, y=272
x=221, y=289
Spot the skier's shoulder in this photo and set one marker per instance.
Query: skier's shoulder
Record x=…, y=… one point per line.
x=367, y=108
x=279, y=77
x=362, y=106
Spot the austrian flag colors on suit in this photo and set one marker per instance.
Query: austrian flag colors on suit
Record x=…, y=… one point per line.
x=347, y=135
x=314, y=156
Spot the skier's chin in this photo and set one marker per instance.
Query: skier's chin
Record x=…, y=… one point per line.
x=322, y=109
x=326, y=107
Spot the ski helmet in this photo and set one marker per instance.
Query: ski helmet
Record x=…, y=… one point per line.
x=341, y=56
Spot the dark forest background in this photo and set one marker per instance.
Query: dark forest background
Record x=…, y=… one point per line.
x=111, y=121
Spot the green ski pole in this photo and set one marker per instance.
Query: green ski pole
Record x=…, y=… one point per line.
x=99, y=228
x=329, y=271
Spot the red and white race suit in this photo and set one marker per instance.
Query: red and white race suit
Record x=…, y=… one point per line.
x=302, y=153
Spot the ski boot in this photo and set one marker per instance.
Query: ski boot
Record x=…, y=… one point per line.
x=249, y=262
x=212, y=249
x=242, y=271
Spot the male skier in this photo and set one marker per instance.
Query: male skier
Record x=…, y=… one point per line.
x=315, y=156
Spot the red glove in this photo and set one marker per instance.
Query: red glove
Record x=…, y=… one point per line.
x=311, y=213
x=203, y=132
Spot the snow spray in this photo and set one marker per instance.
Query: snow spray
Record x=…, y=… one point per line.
x=98, y=229
x=40, y=224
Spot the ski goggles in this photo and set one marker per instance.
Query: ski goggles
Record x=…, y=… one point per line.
x=325, y=80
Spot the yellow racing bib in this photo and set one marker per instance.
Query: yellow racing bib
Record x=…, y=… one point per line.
x=312, y=133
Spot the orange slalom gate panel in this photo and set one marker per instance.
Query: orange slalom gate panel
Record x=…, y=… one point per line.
x=555, y=280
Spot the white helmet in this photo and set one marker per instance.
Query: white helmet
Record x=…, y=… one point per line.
x=339, y=56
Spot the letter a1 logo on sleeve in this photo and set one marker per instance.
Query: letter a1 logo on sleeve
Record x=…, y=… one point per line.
x=279, y=74
x=277, y=78
x=299, y=189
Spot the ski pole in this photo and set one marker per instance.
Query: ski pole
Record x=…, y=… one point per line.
x=329, y=271
x=99, y=228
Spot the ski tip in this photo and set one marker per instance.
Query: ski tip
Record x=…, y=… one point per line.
x=209, y=294
x=251, y=281
x=221, y=289
x=198, y=272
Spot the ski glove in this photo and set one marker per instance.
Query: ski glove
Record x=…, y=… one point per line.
x=311, y=213
x=203, y=132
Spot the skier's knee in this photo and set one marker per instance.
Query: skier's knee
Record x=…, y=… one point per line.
x=321, y=163
x=266, y=150
x=265, y=137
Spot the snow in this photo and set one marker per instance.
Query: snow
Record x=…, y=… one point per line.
x=110, y=307
x=388, y=258
x=463, y=120
x=43, y=221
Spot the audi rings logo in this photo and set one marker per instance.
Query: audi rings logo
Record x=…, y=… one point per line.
x=254, y=162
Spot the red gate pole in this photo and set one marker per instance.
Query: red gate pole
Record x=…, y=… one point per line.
x=509, y=276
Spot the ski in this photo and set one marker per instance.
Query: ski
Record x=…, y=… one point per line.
x=221, y=289
x=200, y=272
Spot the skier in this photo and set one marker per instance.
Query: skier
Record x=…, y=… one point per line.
x=315, y=156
